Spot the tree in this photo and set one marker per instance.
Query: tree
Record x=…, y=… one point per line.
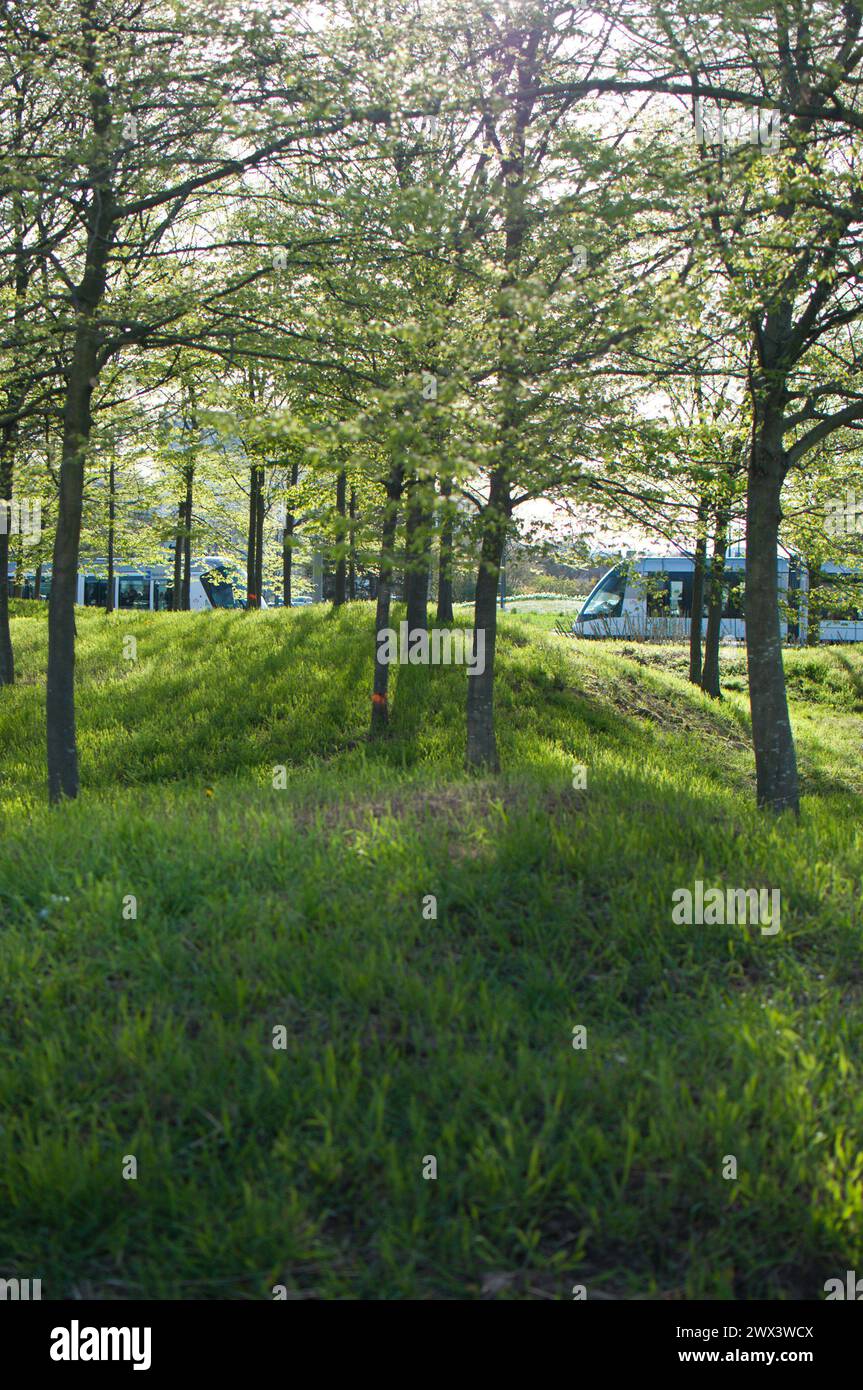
x=130, y=194
x=780, y=212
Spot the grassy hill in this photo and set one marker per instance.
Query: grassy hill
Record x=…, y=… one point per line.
x=302, y=908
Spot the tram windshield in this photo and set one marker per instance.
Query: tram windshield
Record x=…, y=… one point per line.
x=217, y=586
x=606, y=600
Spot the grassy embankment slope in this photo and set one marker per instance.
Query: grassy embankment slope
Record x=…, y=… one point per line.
x=405, y=1037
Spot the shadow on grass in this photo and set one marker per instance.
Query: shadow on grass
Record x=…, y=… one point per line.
x=407, y=1036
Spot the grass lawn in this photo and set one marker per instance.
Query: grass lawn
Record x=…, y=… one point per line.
x=406, y=1037
x=558, y=607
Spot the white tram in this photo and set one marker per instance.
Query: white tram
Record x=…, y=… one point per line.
x=214, y=582
x=652, y=599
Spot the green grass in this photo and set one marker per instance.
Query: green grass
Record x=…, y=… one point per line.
x=409, y=1037
x=561, y=607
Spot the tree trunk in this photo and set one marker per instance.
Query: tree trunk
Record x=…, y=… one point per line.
x=352, y=549
x=109, y=597
x=80, y=381
x=18, y=581
x=252, y=545
x=775, y=757
x=259, y=538
x=380, y=692
x=416, y=557
x=187, y=544
x=60, y=696
x=340, y=592
x=710, y=675
x=7, y=656
x=697, y=598
x=287, y=544
x=481, y=739
x=287, y=559
x=445, y=557
x=176, y=594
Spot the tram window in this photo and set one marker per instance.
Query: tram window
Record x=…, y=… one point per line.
x=606, y=601
x=836, y=598
x=657, y=595
x=705, y=602
x=733, y=588
x=133, y=592
x=95, y=592
x=669, y=596
x=678, y=606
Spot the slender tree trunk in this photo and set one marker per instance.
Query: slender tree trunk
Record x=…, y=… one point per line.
x=416, y=557
x=340, y=592
x=187, y=543
x=109, y=597
x=251, y=547
x=189, y=475
x=177, y=591
x=17, y=583
x=481, y=739
x=352, y=547
x=259, y=538
x=380, y=693
x=60, y=695
x=81, y=377
x=7, y=656
x=287, y=544
x=697, y=597
x=287, y=560
x=775, y=756
x=710, y=683
x=445, y=557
